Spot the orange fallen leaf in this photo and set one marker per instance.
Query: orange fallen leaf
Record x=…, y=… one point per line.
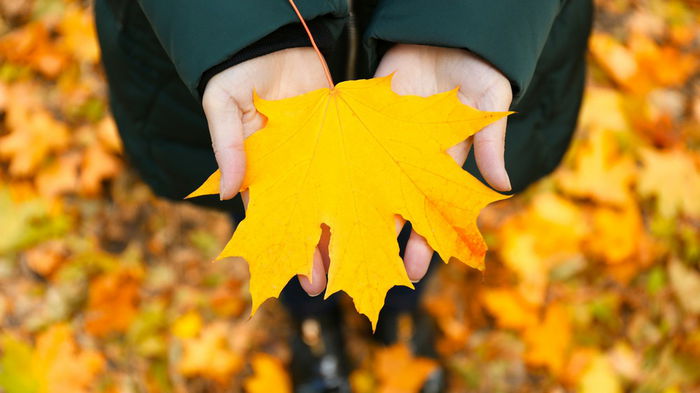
x=113, y=301
x=46, y=258
x=31, y=45
x=98, y=165
x=59, y=177
x=268, y=376
x=353, y=158
x=54, y=365
x=618, y=62
x=666, y=65
x=399, y=372
x=34, y=135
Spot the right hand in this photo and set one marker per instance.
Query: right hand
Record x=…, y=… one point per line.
x=231, y=115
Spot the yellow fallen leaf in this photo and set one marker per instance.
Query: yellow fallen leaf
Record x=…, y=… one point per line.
x=599, y=171
x=353, y=158
x=509, y=308
x=550, y=230
x=210, y=355
x=269, y=376
x=78, y=35
x=600, y=377
x=617, y=234
x=673, y=178
x=603, y=108
x=547, y=342
x=187, y=326
x=686, y=285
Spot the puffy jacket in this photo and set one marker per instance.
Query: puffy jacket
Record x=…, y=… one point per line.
x=157, y=52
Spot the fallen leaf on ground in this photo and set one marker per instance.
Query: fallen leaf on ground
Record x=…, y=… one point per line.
x=34, y=135
x=599, y=171
x=55, y=365
x=353, y=158
x=673, y=178
x=617, y=233
x=600, y=377
x=97, y=165
x=269, y=375
x=210, y=355
x=113, y=301
x=399, y=372
x=509, y=308
x=548, y=341
x=686, y=285
x=533, y=241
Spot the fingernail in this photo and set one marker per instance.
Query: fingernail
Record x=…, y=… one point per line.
x=507, y=178
x=316, y=294
x=415, y=281
x=222, y=187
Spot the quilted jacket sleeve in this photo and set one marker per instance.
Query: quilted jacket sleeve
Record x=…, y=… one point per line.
x=198, y=35
x=510, y=34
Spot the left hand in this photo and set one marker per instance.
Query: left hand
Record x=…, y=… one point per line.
x=427, y=70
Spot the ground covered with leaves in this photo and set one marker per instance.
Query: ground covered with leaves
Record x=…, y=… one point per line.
x=592, y=281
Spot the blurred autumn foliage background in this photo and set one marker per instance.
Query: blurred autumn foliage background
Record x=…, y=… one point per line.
x=592, y=282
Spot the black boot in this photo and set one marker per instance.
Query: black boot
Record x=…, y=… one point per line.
x=319, y=363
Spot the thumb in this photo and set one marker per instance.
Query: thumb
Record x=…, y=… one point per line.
x=226, y=130
x=489, y=144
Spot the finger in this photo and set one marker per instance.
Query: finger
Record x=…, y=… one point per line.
x=245, y=196
x=323, y=246
x=460, y=151
x=226, y=129
x=317, y=283
x=417, y=257
x=489, y=150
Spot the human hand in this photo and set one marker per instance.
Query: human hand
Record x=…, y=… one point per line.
x=427, y=70
x=231, y=115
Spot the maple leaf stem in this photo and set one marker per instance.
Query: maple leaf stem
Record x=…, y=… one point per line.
x=327, y=71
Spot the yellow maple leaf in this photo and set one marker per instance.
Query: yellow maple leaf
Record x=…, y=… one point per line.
x=269, y=376
x=353, y=158
x=673, y=178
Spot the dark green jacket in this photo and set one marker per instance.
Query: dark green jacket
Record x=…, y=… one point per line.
x=155, y=53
